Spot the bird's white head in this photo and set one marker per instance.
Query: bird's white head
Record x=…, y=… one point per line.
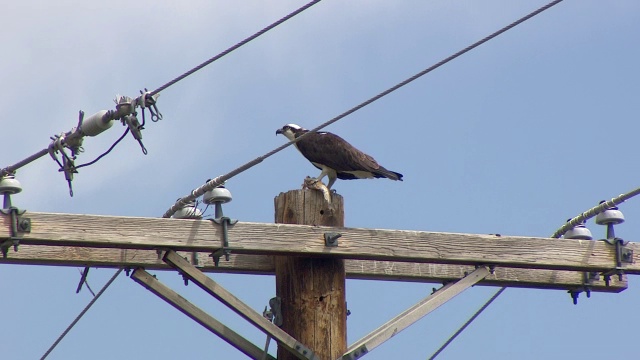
x=289, y=131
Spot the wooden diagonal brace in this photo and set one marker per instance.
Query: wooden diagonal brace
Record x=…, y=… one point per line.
x=234, y=339
x=210, y=286
x=413, y=314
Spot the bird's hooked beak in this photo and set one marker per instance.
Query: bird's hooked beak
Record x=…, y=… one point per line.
x=279, y=131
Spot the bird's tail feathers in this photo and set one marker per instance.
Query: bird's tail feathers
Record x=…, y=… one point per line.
x=382, y=172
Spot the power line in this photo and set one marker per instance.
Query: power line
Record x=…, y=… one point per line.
x=298, y=11
x=211, y=184
x=594, y=211
x=464, y=326
x=561, y=231
x=12, y=168
x=106, y=152
x=75, y=321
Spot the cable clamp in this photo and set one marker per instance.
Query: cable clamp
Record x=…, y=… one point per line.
x=136, y=129
x=68, y=162
x=147, y=100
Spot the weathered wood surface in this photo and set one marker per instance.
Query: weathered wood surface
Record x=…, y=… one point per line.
x=264, y=265
x=183, y=305
x=302, y=240
x=312, y=289
x=232, y=302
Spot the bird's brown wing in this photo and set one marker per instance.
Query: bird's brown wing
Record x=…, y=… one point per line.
x=328, y=149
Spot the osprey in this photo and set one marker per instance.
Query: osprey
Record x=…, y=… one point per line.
x=335, y=157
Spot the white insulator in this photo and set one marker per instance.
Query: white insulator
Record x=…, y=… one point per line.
x=9, y=185
x=580, y=232
x=610, y=216
x=188, y=212
x=218, y=195
x=95, y=124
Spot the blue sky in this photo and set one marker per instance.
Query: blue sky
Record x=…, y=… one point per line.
x=514, y=137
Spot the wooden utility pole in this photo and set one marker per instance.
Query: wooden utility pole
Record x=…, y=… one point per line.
x=312, y=290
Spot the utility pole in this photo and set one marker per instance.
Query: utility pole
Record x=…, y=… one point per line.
x=312, y=290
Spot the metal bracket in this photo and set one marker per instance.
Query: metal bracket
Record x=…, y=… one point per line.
x=274, y=313
x=622, y=255
x=225, y=222
x=19, y=224
x=83, y=278
x=331, y=239
x=588, y=278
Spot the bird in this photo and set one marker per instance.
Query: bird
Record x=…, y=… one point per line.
x=335, y=157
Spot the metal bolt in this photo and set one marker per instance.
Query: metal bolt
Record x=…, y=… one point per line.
x=575, y=295
x=24, y=224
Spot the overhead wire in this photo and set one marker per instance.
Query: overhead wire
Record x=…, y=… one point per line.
x=594, y=211
x=501, y=290
x=211, y=184
x=106, y=152
x=579, y=219
x=202, y=65
x=12, y=168
x=75, y=321
x=234, y=47
x=163, y=87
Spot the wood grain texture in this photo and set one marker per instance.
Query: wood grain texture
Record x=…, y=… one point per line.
x=303, y=240
x=227, y=298
x=314, y=308
x=264, y=265
x=208, y=322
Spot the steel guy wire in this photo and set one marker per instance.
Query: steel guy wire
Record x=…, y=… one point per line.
x=561, y=231
x=463, y=327
x=234, y=47
x=536, y=12
x=211, y=184
x=75, y=321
